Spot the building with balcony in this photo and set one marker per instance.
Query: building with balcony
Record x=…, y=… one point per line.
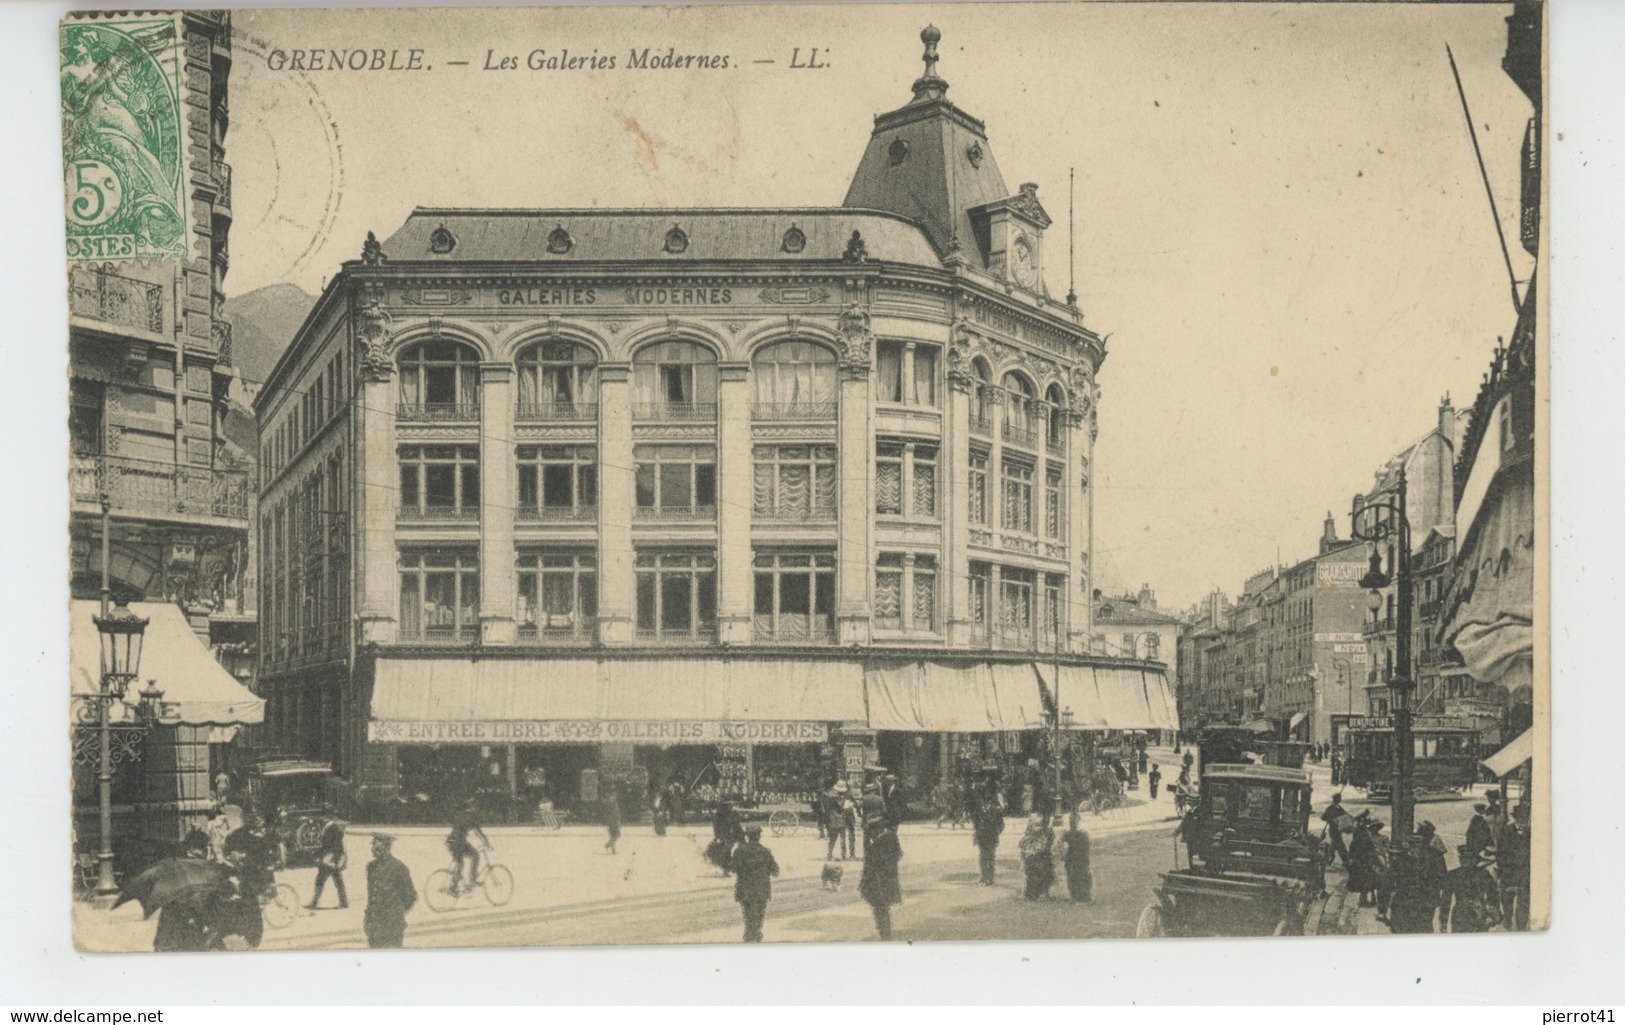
x=1429, y=466
x=1488, y=607
x=156, y=438
x=737, y=498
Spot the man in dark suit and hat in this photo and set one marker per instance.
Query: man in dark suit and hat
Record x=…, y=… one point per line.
x=390, y=895
x=754, y=870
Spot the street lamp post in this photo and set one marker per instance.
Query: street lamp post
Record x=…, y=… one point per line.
x=1385, y=520
x=121, y=632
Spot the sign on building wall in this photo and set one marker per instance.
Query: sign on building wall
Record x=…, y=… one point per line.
x=592, y=731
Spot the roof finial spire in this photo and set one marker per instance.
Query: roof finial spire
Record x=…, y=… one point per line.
x=930, y=86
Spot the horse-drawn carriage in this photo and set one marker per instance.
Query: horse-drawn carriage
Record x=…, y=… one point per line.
x=1253, y=866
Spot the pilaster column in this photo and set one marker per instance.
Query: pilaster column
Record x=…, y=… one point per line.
x=995, y=605
x=735, y=584
x=1079, y=511
x=854, y=555
x=378, y=483
x=498, y=499
x=956, y=618
x=615, y=500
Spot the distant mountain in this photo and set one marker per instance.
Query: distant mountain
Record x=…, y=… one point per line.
x=263, y=322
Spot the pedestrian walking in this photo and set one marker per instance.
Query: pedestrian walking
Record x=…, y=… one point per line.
x=612, y=818
x=849, y=822
x=218, y=827
x=987, y=823
x=330, y=863
x=1037, y=859
x=942, y=801
x=892, y=798
x=819, y=812
x=879, y=886
x=1479, y=835
x=1145, y=758
x=835, y=823
x=390, y=895
x=1075, y=857
x=1419, y=880
x=1154, y=780
x=1513, y=855
x=675, y=795
x=1334, y=816
x=659, y=815
x=1473, y=894
x=1363, y=867
x=725, y=835
x=754, y=872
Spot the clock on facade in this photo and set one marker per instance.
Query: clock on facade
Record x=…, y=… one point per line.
x=1024, y=262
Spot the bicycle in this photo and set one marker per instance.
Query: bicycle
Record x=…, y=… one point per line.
x=491, y=879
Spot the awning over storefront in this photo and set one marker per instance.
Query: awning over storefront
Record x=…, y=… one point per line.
x=593, y=700
x=197, y=690
x=1513, y=755
x=936, y=697
x=1114, y=698
x=1490, y=617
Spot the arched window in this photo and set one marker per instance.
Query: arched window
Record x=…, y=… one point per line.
x=1018, y=409
x=794, y=381
x=440, y=381
x=675, y=381
x=558, y=381
x=982, y=398
x=1056, y=411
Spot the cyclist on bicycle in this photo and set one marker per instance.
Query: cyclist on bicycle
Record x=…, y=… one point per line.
x=457, y=841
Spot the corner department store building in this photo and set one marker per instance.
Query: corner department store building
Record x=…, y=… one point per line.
x=749, y=497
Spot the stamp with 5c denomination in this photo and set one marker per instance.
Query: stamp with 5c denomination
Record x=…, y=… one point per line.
x=124, y=138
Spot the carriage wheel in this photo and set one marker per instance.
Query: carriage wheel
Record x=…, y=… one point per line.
x=784, y=822
x=1152, y=923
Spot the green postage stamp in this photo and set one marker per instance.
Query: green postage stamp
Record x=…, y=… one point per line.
x=124, y=138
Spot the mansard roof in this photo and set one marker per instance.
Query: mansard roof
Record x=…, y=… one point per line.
x=666, y=236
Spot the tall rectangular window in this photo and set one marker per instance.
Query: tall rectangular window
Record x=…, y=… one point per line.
x=676, y=480
x=558, y=596
x=906, y=373
x=1054, y=586
x=1052, y=502
x=905, y=596
x=795, y=597
x=676, y=595
x=889, y=371
x=440, y=595
x=440, y=481
x=976, y=488
x=924, y=391
x=1018, y=496
x=794, y=482
x=1016, y=608
x=981, y=605
x=558, y=481
x=889, y=478
x=905, y=478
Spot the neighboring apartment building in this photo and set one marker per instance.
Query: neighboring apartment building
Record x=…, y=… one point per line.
x=737, y=498
x=152, y=435
x=1429, y=467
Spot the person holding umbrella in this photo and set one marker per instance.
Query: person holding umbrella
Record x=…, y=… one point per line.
x=185, y=893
